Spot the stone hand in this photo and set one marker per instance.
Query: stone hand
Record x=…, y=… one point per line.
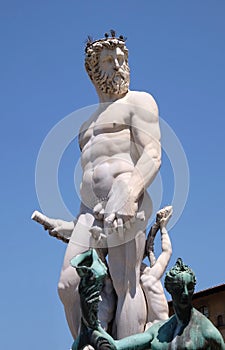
x=119, y=212
x=62, y=230
x=120, y=200
x=163, y=216
x=57, y=228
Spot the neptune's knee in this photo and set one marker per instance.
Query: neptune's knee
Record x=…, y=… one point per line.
x=68, y=286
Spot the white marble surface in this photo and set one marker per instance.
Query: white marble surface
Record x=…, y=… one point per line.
x=120, y=157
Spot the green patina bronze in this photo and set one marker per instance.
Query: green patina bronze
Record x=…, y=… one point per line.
x=92, y=272
x=187, y=329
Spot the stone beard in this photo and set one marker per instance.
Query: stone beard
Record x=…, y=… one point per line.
x=115, y=83
x=109, y=82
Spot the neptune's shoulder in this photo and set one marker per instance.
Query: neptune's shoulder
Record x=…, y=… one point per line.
x=144, y=100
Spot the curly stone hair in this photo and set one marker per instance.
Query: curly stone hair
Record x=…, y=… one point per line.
x=174, y=272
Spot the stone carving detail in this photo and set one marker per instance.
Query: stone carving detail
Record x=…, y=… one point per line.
x=120, y=157
x=96, y=62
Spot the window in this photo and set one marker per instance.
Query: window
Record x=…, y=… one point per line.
x=204, y=310
x=219, y=320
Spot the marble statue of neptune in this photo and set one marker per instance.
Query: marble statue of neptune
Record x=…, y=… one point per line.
x=120, y=157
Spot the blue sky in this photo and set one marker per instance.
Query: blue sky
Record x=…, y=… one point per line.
x=177, y=53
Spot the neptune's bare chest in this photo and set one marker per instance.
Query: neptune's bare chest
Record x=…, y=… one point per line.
x=109, y=122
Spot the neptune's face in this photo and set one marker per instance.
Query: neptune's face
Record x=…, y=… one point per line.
x=113, y=74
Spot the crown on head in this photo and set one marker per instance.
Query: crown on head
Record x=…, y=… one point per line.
x=108, y=37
